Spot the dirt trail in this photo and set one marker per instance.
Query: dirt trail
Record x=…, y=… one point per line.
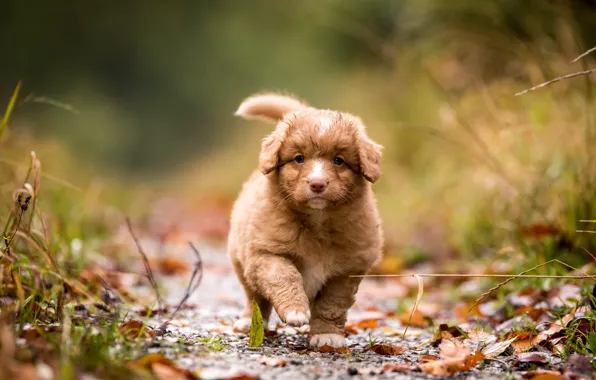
x=283, y=355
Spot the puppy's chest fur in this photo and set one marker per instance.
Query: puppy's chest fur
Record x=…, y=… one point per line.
x=319, y=253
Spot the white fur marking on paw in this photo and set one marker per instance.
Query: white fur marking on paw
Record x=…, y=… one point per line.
x=333, y=340
x=297, y=319
x=242, y=325
x=317, y=171
x=324, y=125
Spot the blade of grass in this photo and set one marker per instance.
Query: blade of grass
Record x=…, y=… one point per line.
x=9, y=109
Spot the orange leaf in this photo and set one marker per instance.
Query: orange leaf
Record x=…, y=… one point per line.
x=396, y=367
x=272, y=362
x=524, y=341
x=387, y=349
x=418, y=319
x=134, y=329
x=326, y=348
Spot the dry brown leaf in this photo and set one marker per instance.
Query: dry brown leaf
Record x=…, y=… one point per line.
x=162, y=367
x=493, y=350
x=165, y=372
x=523, y=341
x=134, y=329
x=428, y=358
x=532, y=357
x=533, y=374
x=350, y=330
x=464, y=311
x=326, y=348
x=478, y=339
x=453, y=361
x=272, y=362
x=169, y=265
x=242, y=376
x=418, y=319
x=387, y=349
x=448, y=343
x=396, y=367
x=549, y=376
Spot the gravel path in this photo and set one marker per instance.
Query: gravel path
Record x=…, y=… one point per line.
x=283, y=355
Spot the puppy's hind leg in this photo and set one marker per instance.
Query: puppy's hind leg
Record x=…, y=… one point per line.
x=242, y=325
x=279, y=281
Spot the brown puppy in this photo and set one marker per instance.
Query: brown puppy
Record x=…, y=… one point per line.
x=308, y=219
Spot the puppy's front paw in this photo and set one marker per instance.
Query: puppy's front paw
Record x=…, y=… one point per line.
x=242, y=325
x=333, y=340
x=297, y=318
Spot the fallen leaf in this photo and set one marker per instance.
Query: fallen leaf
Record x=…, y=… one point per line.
x=162, y=367
x=418, y=319
x=326, y=348
x=165, y=372
x=257, y=330
x=396, y=367
x=540, y=372
x=549, y=376
x=350, y=329
x=493, y=350
x=445, y=330
x=134, y=329
x=532, y=357
x=523, y=340
x=428, y=358
x=272, y=362
x=169, y=265
x=242, y=376
x=464, y=311
x=478, y=339
x=387, y=349
x=454, y=360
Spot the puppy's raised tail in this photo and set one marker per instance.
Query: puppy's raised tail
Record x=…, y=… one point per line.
x=269, y=107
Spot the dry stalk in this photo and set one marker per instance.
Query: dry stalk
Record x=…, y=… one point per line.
x=418, y=298
x=584, y=54
x=149, y=272
x=193, y=285
x=557, y=79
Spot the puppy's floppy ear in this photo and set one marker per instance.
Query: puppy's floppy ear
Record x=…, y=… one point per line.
x=370, y=157
x=269, y=107
x=269, y=156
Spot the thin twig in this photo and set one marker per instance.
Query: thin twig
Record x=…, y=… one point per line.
x=193, y=285
x=584, y=54
x=480, y=275
x=586, y=231
x=149, y=272
x=568, y=76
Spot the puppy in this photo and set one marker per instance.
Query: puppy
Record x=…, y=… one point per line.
x=307, y=219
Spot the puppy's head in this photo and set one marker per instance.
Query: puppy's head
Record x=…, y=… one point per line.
x=323, y=158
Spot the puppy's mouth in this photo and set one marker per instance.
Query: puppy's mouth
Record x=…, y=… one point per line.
x=317, y=201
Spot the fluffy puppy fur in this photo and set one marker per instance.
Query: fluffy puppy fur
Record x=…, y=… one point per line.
x=307, y=219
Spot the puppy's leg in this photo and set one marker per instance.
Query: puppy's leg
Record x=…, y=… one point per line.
x=330, y=311
x=242, y=325
x=278, y=280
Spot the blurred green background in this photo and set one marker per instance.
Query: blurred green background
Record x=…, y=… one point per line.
x=143, y=93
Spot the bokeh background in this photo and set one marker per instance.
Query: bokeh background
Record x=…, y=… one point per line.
x=131, y=103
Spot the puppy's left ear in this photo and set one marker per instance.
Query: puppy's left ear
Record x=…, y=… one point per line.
x=370, y=158
x=269, y=156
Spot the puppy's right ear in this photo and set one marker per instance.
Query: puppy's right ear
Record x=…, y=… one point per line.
x=269, y=156
x=269, y=107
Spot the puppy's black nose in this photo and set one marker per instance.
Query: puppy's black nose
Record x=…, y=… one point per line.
x=318, y=185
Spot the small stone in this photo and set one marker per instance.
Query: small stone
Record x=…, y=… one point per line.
x=352, y=371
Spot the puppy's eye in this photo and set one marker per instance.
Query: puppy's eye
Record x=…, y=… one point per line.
x=299, y=159
x=338, y=161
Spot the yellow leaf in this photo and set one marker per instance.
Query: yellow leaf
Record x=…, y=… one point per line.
x=257, y=330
